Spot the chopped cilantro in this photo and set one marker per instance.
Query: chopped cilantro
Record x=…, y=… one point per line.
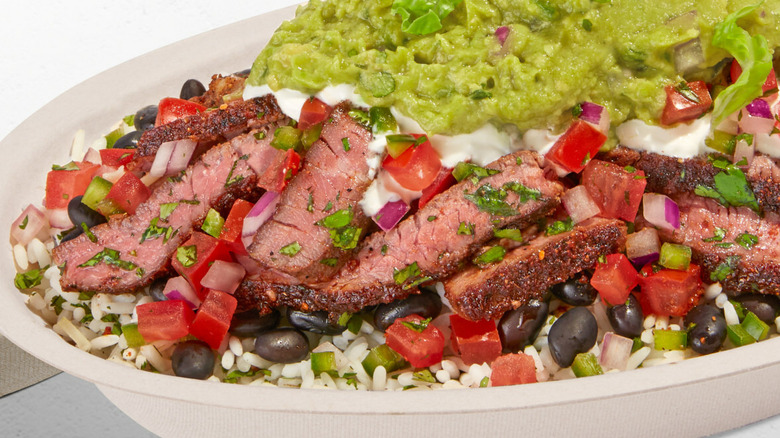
x=291, y=249
x=491, y=201
x=588, y=26
x=509, y=233
x=409, y=277
x=338, y=219
x=129, y=120
x=431, y=218
x=166, y=209
x=383, y=251
x=29, y=279
x=524, y=192
x=419, y=327
x=559, y=227
x=259, y=135
x=23, y=225
x=69, y=166
x=725, y=269
x=686, y=92
x=331, y=261
x=346, y=237
x=154, y=232
x=56, y=303
x=424, y=375
x=486, y=380
x=345, y=143
x=747, y=240
x=328, y=207
x=731, y=187
x=360, y=116
x=88, y=233
x=465, y=229
x=310, y=204
x=465, y=170
x=480, y=94
x=717, y=236
x=187, y=255
x=110, y=257
x=630, y=169
x=230, y=178
x=576, y=110
x=492, y=255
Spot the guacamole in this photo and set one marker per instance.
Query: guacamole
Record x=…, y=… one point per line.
x=557, y=53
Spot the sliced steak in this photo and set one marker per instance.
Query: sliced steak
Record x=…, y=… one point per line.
x=128, y=252
x=739, y=269
x=384, y=268
x=527, y=271
x=328, y=187
x=677, y=176
x=208, y=128
x=220, y=87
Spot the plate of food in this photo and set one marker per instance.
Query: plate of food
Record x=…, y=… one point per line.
x=395, y=202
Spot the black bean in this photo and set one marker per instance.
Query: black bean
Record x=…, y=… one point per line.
x=576, y=291
x=128, y=141
x=72, y=234
x=766, y=307
x=243, y=73
x=191, y=88
x=627, y=318
x=145, y=117
x=519, y=327
x=426, y=304
x=251, y=323
x=315, y=322
x=193, y=359
x=574, y=332
x=709, y=328
x=79, y=213
x=282, y=345
x=157, y=288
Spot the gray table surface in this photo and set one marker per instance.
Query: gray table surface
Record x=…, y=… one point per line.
x=46, y=47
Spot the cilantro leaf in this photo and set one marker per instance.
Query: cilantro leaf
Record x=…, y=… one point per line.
x=409, y=277
x=559, y=227
x=29, y=279
x=419, y=327
x=491, y=200
x=717, y=236
x=747, y=240
x=492, y=255
x=509, y=233
x=725, y=269
x=290, y=250
x=421, y=17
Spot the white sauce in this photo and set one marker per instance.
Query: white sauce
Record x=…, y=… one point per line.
x=385, y=189
x=539, y=140
x=768, y=144
x=682, y=141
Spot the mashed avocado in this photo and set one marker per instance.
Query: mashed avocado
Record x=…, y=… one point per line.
x=617, y=53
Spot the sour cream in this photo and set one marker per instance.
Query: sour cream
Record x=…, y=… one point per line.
x=681, y=141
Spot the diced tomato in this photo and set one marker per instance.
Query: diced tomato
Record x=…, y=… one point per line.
x=513, y=369
x=574, y=149
x=769, y=85
x=416, y=168
x=234, y=224
x=212, y=321
x=64, y=185
x=442, y=182
x=680, y=108
x=116, y=157
x=476, y=342
x=206, y=250
x=670, y=292
x=171, y=108
x=292, y=162
x=129, y=192
x=313, y=111
x=164, y=320
x=420, y=348
x=616, y=190
x=614, y=279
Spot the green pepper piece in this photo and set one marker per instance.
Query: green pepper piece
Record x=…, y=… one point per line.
x=324, y=362
x=286, y=137
x=133, y=336
x=586, y=364
x=670, y=339
x=382, y=119
x=397, y=144
x=739, y=336
x=675, y=256
x=385, y=356
x=309, y=136
x=213, y=223
x=752, y=324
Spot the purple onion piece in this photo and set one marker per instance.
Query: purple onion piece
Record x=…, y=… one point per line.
x=392, y=213
x=501, y=34
x=759, y=108
x=591, y=112
x=672, y=213
x=641, y=261
x=176, y=295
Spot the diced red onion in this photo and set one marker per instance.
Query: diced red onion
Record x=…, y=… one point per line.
x=643, y=247
x=745, y=151
x=223, y=276
x=729, y=125
x=596, y=115
x=258, y=215
x=58, y=218
x=768, y=144
x=688, y=56
x=36, y=225
x=615, y=351
x=392, y=213
x=579, y=204
x=178, y=288
x=172, y=157
x=501, y=34
x=757, y=118
x=93, y=156
x=661, y=211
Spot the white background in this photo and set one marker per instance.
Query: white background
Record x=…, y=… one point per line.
x=48, y=46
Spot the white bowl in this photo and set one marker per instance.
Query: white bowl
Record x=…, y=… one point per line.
x=693, y=398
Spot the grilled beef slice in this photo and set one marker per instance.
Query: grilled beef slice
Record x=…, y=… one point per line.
x=330, y=184
x=738, y=268
x=430, y=241
x=677, y=176
x=208, y=128
x=526, y=272
x=128, y=252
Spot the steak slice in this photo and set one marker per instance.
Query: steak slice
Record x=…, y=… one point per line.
x=128, y=252
x=677, y=176
x=208, y=128
x=738, y=269
x=429, y=240
x=329, y=186
x=526, y=272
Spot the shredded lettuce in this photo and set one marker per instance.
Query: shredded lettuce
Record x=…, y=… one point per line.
x=753, y=55
x=422, y=17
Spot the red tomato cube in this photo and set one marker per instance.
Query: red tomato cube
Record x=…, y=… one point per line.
x=442, y=182
x=769, y=85
x=417, y=167
x=575, y=148
x=476, y=342
x=616, y=190
x=292, y=162
x=164, y=320
x=513, y=369
x=129, y=192
x=233, y=226
x=614, y=279
x=193, y=258
x=116, y=157
x=212, y=321
x=313, y=111
x=64, y=185
x=682, y=106
x=420, y=343
x=670, y=292
x=171, y=108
